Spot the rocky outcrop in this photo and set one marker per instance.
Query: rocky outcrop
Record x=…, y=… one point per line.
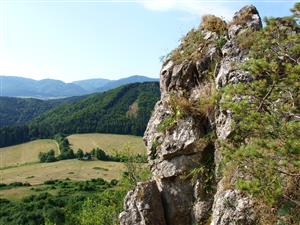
x=143, y=206
x=177, y=138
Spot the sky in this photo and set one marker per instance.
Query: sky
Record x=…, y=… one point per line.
x=82, y=39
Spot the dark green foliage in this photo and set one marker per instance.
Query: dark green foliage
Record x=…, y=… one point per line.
x=47, y=156
x=62, y=208
x=55, y=215
x=118, y=157
x=94, y=201
x=101, y=155
x=64, y=148
x=79, y=154
x=105, y=113
x=13, y=185
x=19, y=111
x=66, y=154
x=265, y=145
x=14, y=135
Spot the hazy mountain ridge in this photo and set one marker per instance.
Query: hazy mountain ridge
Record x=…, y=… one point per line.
x=91, y=85
x=128, y=80
x=12, y=86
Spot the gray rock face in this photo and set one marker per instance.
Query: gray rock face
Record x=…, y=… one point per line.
x=143, y=206
x=174, y=196
x=231, y=207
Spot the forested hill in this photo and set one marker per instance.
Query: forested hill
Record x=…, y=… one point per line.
x=19, y=111
x=124, y=110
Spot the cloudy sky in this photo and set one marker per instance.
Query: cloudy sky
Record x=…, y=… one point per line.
x=77, y=39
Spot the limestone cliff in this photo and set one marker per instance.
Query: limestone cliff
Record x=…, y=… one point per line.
x=186, y=187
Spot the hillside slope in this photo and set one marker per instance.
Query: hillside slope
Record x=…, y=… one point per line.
x=108, y=112
x=19, y=111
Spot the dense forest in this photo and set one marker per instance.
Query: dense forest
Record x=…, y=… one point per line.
x=19, y=111
x=124, y=110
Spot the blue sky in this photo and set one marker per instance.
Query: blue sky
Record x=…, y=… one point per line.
x=75, y=40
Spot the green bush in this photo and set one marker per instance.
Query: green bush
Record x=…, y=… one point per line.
x=47, y=156
x=264, y=145
x=79, y=154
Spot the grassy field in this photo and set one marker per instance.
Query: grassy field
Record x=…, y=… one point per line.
x=110, y=143
x=74, y=169
x=25, y=153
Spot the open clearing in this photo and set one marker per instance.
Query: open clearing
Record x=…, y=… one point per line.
x=25, y=153
x=110, y=143
x=74, y=169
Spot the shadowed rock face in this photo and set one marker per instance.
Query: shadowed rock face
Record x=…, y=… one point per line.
x=174, y=197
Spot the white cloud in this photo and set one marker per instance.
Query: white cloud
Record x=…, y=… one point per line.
x=196, y=7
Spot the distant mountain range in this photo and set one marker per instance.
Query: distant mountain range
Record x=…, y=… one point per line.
x=49, y=88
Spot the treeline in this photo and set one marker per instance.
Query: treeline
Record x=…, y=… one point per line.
x=67, y=153
x=118, y=157
x=124, y=110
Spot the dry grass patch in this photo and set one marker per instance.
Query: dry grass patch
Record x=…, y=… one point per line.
x=25, y=153
x=214, y=24
x=181, y=106
x=73, y=169
x=110, y=143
